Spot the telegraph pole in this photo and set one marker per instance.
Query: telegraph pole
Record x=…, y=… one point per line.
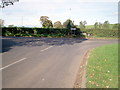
x=70, y=14
x=22, y=21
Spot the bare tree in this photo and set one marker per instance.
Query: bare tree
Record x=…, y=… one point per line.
x=5, y=3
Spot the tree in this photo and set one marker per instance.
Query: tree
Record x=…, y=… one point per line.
x=1, y=23
x=68, y=24
x=96, y=25
x=7, y=3
x=82, y=24
x=11, y=26
x=46, y=22
x=43, y=19
x=106, y=22
x=58, y=25
x=100, y=25
x=106, y=25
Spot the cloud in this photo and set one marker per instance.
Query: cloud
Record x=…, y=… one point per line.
x=57, y=10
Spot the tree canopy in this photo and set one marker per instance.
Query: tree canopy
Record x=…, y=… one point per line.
x=58, y=25
x=68, y=24
x=82, y=24
x=96, y=25
x=106, y=25
x=46, y=22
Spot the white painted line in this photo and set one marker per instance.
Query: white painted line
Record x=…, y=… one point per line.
x=12, y=64
x=23, y=59
x=46, y=48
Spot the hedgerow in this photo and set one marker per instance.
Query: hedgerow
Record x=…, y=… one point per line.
x=101, y=32
x=56, y=32
x=39, y=32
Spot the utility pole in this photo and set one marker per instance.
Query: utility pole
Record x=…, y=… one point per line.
x=22, y=21
x=70, y=14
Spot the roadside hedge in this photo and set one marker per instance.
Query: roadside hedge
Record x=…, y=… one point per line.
x=56, y=32
x=40, y=32
x=101, y=32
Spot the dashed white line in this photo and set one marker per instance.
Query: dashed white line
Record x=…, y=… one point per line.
x=12, y=64
x=46, y=48
x=23, y=59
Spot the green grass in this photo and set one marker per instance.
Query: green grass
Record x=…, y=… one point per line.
x=89, y=26
x=96, y=37
x=92, y=26
x=102, y=67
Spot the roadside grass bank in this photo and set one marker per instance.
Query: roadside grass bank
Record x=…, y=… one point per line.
x=102, y=67
x=102, y=37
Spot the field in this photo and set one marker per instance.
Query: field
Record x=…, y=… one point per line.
x=111, y=26
x=89, y=26
x=102, y=67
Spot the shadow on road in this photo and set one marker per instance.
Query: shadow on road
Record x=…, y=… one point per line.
x=9, y=42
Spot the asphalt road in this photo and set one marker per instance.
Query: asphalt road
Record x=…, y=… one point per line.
x=43, y=62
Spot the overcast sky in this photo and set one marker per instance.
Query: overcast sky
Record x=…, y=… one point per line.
x=59, y=10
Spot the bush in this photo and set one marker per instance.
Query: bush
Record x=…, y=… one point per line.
x=101, y=32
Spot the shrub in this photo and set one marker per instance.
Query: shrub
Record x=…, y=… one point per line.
x=101, y=32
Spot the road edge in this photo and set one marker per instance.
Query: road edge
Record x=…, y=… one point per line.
x=80, y=81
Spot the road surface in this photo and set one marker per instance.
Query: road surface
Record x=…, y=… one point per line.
x=43, y=62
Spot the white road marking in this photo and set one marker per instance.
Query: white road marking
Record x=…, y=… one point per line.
x=12, y=64
x=46, y=48
x=22, y=59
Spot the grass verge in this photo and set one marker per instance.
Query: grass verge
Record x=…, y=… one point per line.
x=93, y=37
x=102, y=67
